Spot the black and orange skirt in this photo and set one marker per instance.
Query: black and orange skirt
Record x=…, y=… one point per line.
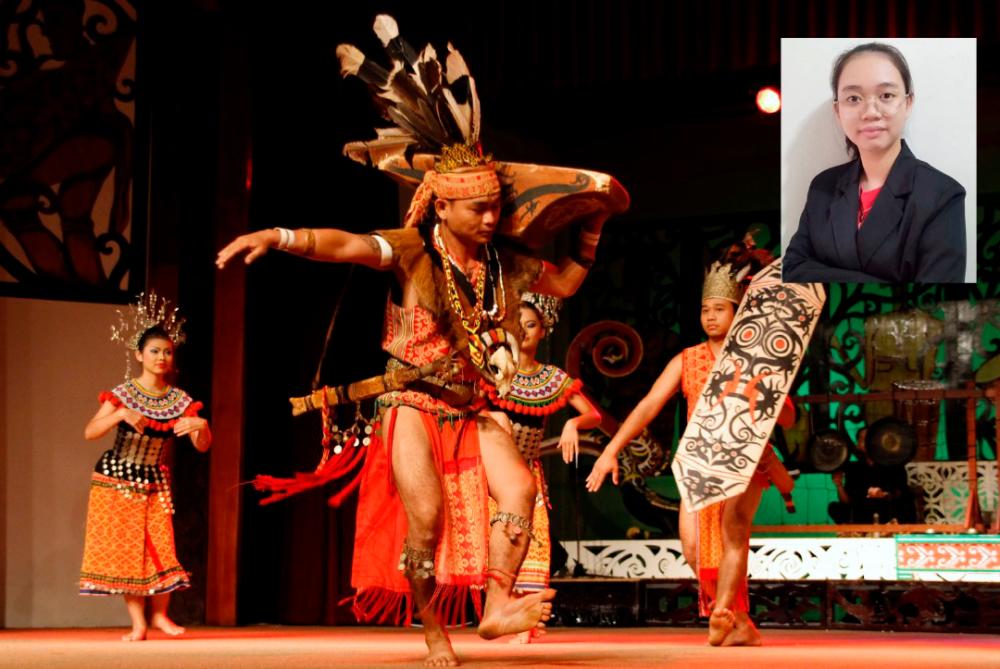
x=129, y=548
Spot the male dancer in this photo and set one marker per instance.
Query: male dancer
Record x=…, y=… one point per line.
x=424, y=488
x=715, y=540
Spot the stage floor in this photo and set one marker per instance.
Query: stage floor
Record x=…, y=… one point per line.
x=635, y=648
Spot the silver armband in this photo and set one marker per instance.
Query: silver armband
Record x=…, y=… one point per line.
x=384, y=250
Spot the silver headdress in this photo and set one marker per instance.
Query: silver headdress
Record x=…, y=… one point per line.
x=136, y=319
x=547, y=307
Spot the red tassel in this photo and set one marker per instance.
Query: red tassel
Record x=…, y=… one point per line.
x=344, y=465
x=338, y=499
x=381, y=605
x=450, y=602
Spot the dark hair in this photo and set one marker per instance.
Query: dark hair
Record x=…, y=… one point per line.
x=430, y=216
x=890, y=52
x=529, y=305
x=155, y=332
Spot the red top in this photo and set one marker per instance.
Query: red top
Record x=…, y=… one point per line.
x=867, y=200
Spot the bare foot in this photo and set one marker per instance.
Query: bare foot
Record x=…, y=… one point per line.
x=137, y=634
x=165, y=624
x=744, y=632
x=720, y=624
x=519, y=614
x=439, y=646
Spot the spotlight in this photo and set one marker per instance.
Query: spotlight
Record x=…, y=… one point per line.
x=768, y=100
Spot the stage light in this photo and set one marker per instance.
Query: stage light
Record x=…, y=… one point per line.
x=768, y=100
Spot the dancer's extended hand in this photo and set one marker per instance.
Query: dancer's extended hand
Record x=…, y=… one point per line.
x=606, y=464
x=254, y=244
x=569, y=442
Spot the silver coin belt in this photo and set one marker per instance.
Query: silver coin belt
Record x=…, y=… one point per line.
x=135, y=461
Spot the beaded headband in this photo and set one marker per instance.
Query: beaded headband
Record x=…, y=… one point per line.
x=461, y=184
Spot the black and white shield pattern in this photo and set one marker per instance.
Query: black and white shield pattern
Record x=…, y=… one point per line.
x=746, y=389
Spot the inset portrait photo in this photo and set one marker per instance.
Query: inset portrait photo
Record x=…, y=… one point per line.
x=878, y=160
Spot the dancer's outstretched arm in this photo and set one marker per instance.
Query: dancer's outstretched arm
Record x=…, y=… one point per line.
x=326, y=244
x=642, y=415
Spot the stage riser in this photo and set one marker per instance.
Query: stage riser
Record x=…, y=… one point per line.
x=926, y=558
x=846, y=605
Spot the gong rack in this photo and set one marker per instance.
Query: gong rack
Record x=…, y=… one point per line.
x=973, y=514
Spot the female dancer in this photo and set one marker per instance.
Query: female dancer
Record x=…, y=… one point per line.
x=129, y=548
x=538, y=391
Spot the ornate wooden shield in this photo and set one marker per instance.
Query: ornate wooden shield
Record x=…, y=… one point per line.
x=737, y=410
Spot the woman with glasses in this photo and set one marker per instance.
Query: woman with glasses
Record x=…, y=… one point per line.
x=885, y=216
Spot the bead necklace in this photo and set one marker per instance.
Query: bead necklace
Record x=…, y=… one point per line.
x=473, y=322
x=470, y=322
x=150, y=392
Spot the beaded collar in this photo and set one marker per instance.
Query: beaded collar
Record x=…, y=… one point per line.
x=538, y=393
x=168, y=406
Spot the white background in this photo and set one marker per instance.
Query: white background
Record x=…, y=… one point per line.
x=941, y=130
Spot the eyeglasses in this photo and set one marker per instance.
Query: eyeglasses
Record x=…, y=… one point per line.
x=886, y=102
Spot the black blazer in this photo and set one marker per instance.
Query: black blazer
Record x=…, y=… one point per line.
x=915, y=231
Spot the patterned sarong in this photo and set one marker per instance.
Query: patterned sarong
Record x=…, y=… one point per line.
x=129, y=549
x=383, y=592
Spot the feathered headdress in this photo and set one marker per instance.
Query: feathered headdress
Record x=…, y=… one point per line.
x=435, y=145
x=435, y=107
